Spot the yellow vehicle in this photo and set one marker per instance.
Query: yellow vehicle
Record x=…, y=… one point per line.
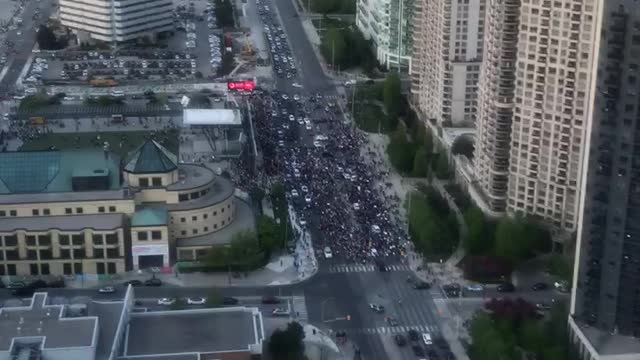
x=37, y=120
x=103, y=82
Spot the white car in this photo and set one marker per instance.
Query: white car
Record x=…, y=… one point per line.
x=327, y=253
x=294, y=193
x=426, y=337
x=308, y=127
x=107, y=290
x=296, y=85
x=285, y=97
x=196, y=301
x=280, y=312
x=304, y=188
x=356, y=206
x=307, y=198
x=375, y=229
x=317, y=144
x=166, y=301
x=291, y=117
x=296, y=97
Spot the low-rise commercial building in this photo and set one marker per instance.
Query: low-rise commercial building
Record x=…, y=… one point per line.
x=83, y=212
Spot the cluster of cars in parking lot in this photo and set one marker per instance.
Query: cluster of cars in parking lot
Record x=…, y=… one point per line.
x=35, y=73
x=283, y=63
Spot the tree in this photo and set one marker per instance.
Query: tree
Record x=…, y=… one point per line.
x=401, y=151
x=442, y=170
x=224, y=13
x=334, y=47
x=421, y=162
x=47, y=39
x=463, y=145
x=287, y=344
x=268, y=234
x=227, y=65
x=517, y=238
x=256, y=194
x=214, y=300
x=244, y=246
x=479, y=237
x=392, y=94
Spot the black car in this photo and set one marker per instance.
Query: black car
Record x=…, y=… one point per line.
x=506, y=287
x=229, y=301
x=414, y=335
x=270, y=300
x=153, y=282
x=400, y=340
x=422, y=285
x=16, y=285
x=59, y=283
x=29, y=289
x=418, y=350
x=539, y=286
x=132, y=283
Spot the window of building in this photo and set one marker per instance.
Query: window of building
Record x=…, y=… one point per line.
x=31, y=240
x=205, y=216
x=46, y=255
x=215, y=213
x=79, y=210
x=78, y=254
x=13, y=213
x=46, y=212
x=156, y=181
x=98, y=253
x=206, y=228
x=112, y=209
x=183, y=197
x=112, y=239
x=144, y=182
x=183, y=219
x=77, y=239
x=215, y=226
x=33, y=269
x=97, y=239
x=77, y=268
x=111, y=268
x=65, y=254
x=156, y=235
x=68, y=211
x=223, y=222
x=44, y=240
x=185, y=255
x=2, y=273
x=35, y=212
x=183, y=232
x=44, y=269
x=3, y=213
x=143, y=236
x=101, y=209
x=228, y=206
x=222, y=210
x=113, y=253
x=67, y=269
x=100, y=268
x=10, y=240
x=194, y=231
x=11, y=255
x=194, y=218
x=11, y=269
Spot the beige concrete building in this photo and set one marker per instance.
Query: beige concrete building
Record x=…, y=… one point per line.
x=82, y=212
x=535, y=98
x=447, y=53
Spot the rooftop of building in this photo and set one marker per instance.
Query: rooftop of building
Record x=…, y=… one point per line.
x=100, y=222
x=608, y=344
x=150, y=216
x=220, y=190
x=243, y=220
x=53, y=171
x=218, y=117
x=191, y=176
x=46, y=321
x=206, y=330
x=151, y=157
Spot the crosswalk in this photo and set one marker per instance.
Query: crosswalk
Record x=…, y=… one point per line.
x=355, y=268
x=432, y=329
x=299, y=307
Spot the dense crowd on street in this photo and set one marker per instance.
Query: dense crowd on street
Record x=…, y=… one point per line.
x=327, y=180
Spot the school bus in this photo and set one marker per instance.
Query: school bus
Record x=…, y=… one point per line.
x=37, y=120
x=103, y=82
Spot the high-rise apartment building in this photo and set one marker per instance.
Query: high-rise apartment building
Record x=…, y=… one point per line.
x=447, y=53
x=387, y=23
x=534, y=106
x=116, y=20
x=605, y=304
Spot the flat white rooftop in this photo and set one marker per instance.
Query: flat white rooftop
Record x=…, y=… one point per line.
x=212, y=117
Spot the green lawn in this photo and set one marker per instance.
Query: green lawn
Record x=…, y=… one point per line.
x=121, y=142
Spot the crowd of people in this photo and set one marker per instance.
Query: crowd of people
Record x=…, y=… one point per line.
x=328, y=182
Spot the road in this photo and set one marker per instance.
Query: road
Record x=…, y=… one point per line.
x=24, y=43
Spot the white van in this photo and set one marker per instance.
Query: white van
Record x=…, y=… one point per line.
x=426, y=337
x=117, y=93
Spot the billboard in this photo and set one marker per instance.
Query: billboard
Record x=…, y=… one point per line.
x=241, y=85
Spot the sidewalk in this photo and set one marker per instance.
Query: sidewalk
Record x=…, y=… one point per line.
x=320, y=346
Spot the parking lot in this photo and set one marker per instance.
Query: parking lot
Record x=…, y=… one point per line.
x=193, y=51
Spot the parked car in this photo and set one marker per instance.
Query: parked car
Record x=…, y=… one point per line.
x=229, y=301
x=391, y=321
x=506, y=287
x=132, y=283
x=267, y=299
x=107, y=290
x=196, y=301
x=421, y=285
x=153, y=282
x=414, y=335
x=166, y=301
x=280, y=312
x=377, y=308
x=540, y=286
x=16, y=285
x=426, y=338
x=29, y=289
x=418, y=350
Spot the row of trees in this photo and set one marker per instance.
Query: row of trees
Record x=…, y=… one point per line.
x=511, y=331
x=346, y=47
x=432, y=225
x=47, y=40
x=331, y=6
x=39, y=100
x=224, y=13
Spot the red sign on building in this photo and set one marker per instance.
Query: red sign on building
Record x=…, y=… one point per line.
x=243, y=85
